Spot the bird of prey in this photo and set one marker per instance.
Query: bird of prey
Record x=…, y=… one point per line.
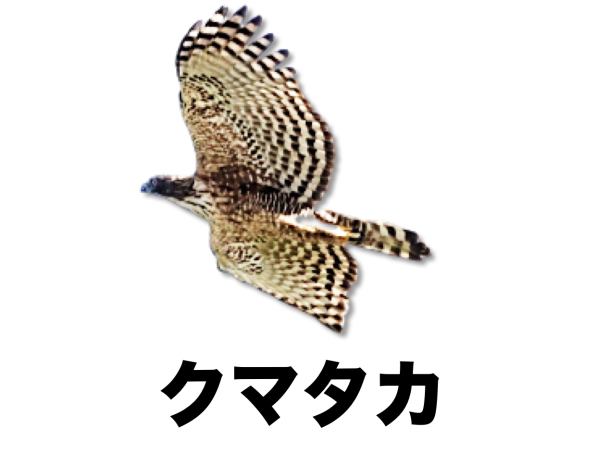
x=264, y=157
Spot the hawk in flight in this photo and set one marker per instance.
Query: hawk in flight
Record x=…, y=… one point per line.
x=264, y=157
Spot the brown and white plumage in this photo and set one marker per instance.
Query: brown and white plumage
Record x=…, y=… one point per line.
x=249, y=121
x=264, y=156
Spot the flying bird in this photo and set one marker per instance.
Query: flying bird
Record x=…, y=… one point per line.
x=264, y=157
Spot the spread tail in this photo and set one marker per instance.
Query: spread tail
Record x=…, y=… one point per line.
x=378, y=236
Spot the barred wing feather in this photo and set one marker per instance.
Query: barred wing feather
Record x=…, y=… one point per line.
x=249, y=121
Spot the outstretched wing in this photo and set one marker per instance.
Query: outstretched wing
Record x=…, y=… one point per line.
x=306, y=269
x=252, y=128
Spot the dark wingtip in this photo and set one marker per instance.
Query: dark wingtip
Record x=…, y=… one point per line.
x=257, y=21
x=241, y=12
x=268, y=36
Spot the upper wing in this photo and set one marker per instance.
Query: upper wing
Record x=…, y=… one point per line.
x=306, y=269
x=249, y=121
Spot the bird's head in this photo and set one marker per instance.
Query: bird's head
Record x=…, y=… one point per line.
x=169, y=186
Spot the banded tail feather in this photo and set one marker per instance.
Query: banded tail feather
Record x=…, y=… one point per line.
x=378, y=236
